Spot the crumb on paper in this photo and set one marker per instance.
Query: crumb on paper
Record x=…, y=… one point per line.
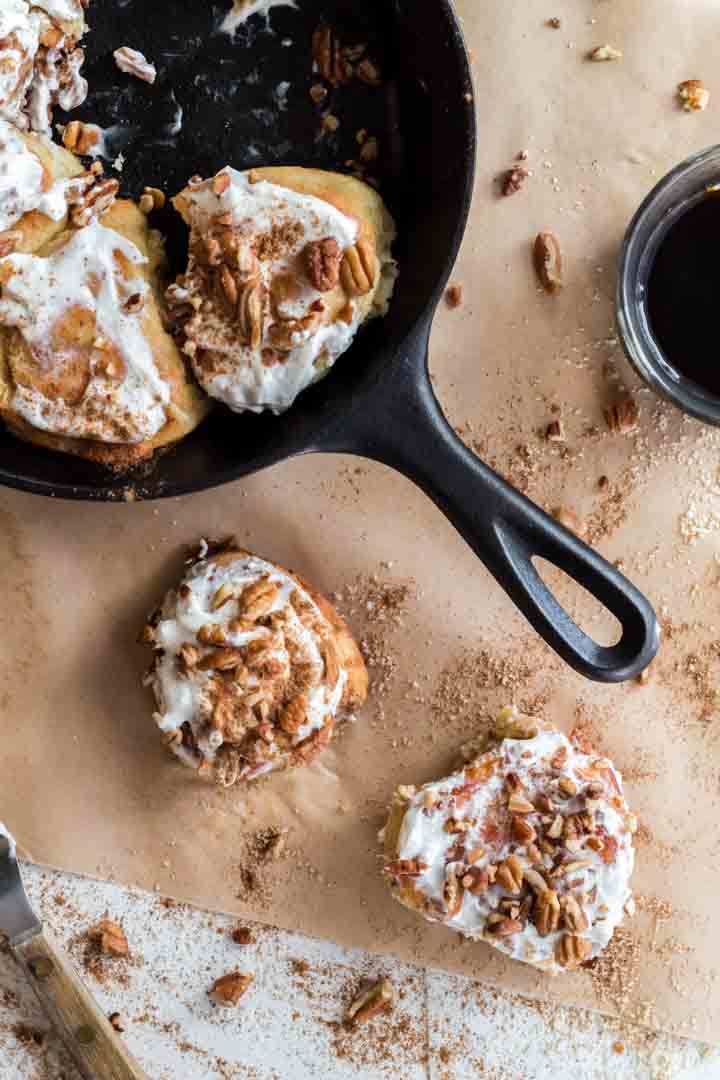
x=513, y=179
x=693, y=95
x=454, y=296
x=603, y=53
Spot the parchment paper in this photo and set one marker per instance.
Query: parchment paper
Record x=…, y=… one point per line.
x=86, y=785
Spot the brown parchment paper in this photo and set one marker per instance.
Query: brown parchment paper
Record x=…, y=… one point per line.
x=85, y=783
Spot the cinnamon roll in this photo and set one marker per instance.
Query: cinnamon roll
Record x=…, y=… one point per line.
x=528, y=847
x=86, y=366
x=285, y=265
x=40, y=61
x=253, y=669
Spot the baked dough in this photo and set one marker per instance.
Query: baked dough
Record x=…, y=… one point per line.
x=86, y=366
x=528, y=847
x=39, y=60
x=285, y=265
x=253, y=669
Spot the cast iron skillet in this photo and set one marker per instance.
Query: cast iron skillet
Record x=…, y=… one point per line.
x=237, y=107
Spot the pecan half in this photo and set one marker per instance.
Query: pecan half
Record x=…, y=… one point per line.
x=547, y=912
x=327, y=54
x=322, y=261
x=294, y=715
x=228, y=989
x=510, y=874
x=257, y=599
x=573, y=914
x=251, y=313
x=81, y=138
x=571, y=950
x=693, y=95
x=358, y=270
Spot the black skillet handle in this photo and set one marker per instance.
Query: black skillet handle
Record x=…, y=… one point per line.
x=403, y=426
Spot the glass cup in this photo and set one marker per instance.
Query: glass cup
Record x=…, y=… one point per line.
x=683, y=186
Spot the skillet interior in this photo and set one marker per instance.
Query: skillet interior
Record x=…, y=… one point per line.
x=231, y=96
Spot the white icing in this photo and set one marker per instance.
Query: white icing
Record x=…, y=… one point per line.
x=127, y=408
x=22, y=182
x=423, y=835
x=238, y=375
x=17, y=58
x=11, y=840
x=243, y=10
x=32, y=80
x=184, y=698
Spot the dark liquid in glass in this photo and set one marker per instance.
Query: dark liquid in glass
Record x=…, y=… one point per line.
x=683, y=294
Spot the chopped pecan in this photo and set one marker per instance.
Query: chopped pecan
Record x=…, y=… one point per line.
x=9, y=241
x=225, y=659
x=369, y=1002
x=134, y=63
x=603, y=53
x=573, y=915
x=522, y=830
x=510, y=874
x=369, y=72
x=406, y=867
x=518, y=804
x=322, y=262
x=452, y=893
x=251, y=313
x=110, y=939
x=81, y=138
x=90, y=197
x=693, y=95
x=512, y=180
x=257, y=599
x=294, y=715
x=622, y=417
x=502, y=925
x=514, y=725
x=477, y=879
x=228, y=989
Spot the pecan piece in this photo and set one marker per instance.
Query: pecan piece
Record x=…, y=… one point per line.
x=603, y=53
x=548, y=261
x=358, y=269
x=623, y=416
x=513, y=179
x=573, y=914
x=369, y=1002
x=514, y=725
x=221, y=660
x=522, y=830
x=322, y=262
x=9, y=241
x=251, y=314
x=571, y=950
x=81, y=138
x=452, y=894
x=510, y=874
x=502, y=926
x=257, y=599
x=228, y=989
x=110, y=939
x=134, y=63
x=368, y=72
x=294, y=715
x=327, y=54
x=90, y=197
x=547, y=912
x=693, y=95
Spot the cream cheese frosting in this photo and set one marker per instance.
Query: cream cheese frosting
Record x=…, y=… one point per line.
x=245, y=676
x=89, y=286
x=559, y=816
x=263, y=374
x=23, y=182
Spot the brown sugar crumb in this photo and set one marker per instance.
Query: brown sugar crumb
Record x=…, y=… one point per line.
x=276, y=243
x=228, y=989
x=618, y=1048
x=454, y=296
x=554, y=23
x=110, y=938
x=242, y=935
x=262, y=851
x=615, y=972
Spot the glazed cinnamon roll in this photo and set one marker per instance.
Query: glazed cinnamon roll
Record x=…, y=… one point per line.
x=253, y=669
x=285, y=265
x=528, y=847
x=86, y=366
x=40, y=61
